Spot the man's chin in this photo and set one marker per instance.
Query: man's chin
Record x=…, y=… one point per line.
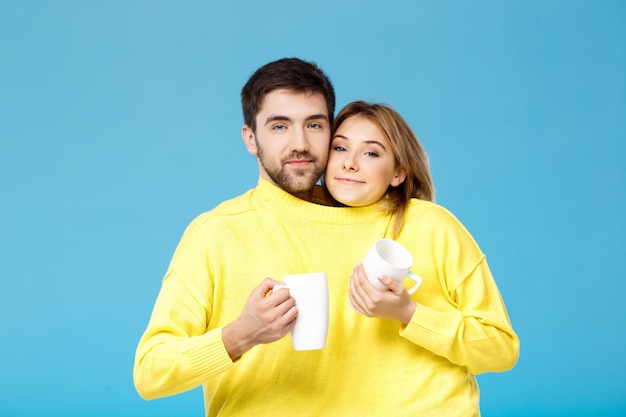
x=300, y=185
x=298, y=181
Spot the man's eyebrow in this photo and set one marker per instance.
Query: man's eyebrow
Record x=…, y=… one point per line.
x=279, y=118
x=317, y=117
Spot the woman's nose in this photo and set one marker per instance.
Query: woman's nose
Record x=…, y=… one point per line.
x=350, y=165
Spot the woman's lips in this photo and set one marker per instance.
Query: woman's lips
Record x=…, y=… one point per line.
x=348, y=181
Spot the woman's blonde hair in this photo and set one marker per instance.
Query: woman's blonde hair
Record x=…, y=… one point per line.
x=408, y=151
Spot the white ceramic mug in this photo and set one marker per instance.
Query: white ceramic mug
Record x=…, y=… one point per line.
x=388, y=257
x=311, y=294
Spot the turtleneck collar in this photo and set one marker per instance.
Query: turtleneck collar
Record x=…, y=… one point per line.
x=270, y=195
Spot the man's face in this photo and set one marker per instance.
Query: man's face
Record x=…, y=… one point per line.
x=291, y=140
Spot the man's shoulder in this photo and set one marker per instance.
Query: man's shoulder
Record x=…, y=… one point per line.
x=243, y=203
x=222, y=214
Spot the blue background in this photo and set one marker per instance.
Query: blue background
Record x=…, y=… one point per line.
x=120, y=122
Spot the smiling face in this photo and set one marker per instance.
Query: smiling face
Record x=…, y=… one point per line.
x=361, y=164
x=291, y=140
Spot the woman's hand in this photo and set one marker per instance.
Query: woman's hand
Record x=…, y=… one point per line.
x=392, y=303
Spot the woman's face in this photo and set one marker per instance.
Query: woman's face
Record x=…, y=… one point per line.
x=361, y=164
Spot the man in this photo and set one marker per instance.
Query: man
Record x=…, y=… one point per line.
x=215, y=325
x=288, y=107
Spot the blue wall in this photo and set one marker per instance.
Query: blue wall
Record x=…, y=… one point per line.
x=120, y=121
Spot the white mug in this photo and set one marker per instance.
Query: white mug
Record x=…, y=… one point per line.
x=311, y=294
x=388, y=257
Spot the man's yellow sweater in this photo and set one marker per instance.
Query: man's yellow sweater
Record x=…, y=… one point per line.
x=369, y=367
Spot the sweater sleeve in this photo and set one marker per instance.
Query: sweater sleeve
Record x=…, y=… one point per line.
x=477, y=334
x=464, y=319
x=176, y=353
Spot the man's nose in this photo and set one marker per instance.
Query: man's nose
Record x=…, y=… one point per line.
x=299, y=141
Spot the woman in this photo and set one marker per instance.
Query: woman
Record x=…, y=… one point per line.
x=456, y=322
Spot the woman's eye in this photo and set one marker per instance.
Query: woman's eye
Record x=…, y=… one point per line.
x=372, y=154
x=339, y=148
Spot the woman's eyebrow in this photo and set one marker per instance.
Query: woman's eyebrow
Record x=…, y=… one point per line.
x=375, y=142
x=368, y=142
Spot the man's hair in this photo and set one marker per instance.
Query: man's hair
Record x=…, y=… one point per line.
x=290, y=74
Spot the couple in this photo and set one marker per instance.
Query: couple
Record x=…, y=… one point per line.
x=216, y=322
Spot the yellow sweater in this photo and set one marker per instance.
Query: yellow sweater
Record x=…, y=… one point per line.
x=371, y=367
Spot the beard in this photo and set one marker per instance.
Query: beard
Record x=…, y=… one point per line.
x=295, y=181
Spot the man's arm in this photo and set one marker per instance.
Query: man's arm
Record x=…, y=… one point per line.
x=176, y=353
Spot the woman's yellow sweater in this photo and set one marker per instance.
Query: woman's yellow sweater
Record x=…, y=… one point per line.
x=369, y=367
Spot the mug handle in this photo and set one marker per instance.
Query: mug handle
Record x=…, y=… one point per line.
x=417, y=279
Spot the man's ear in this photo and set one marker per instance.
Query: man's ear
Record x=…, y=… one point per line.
x=248, y=139
x=399, y=177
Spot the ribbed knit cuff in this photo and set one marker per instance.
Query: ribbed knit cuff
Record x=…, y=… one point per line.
x=427, y=328
x=207, y=354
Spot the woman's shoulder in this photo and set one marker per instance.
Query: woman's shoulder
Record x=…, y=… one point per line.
x=424, y=218
x=423, y=207
x=430, y=213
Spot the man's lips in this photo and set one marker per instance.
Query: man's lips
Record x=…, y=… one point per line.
x=299, y=163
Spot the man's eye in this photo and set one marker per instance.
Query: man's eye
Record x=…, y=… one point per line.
x=315, y=125
x=279, y=127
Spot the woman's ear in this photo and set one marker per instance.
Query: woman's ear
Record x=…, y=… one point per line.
x=247, y=134
x=399, y=177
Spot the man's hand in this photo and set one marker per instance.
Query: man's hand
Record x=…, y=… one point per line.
x=266, y=317
x=393, y=303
